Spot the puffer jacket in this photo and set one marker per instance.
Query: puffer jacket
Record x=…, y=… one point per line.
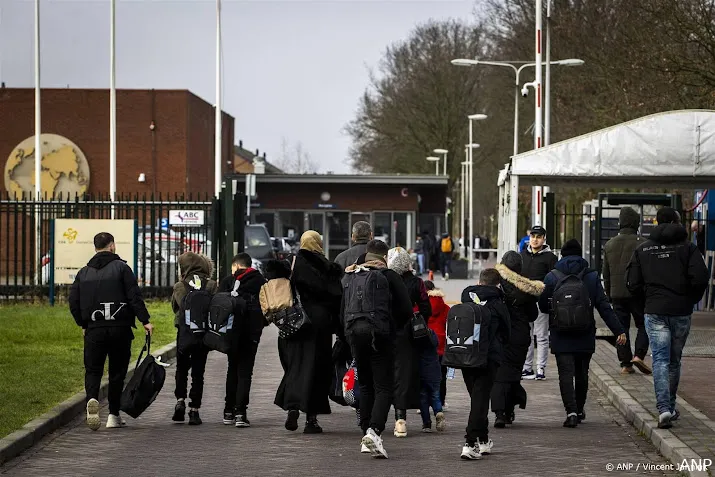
x=618, y=252
x=438, y=321
x=191, y=264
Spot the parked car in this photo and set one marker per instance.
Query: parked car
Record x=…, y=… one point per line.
x=258, y=244
x=281, y=247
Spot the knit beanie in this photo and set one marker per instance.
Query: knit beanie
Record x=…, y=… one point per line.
x=572, y=247
x=399, y=260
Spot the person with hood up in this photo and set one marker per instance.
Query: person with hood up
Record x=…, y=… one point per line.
x=538, y=260
x=407, y=354
x=105, y=300
x=521, y=296
x=617, y=255
x=247, y=336
x=438, y=323
x=573, y=350
x=307, y=356
x=190, y=265
x=669, y=273
x=361, y=235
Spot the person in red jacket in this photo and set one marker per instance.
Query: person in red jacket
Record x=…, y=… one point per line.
x=438, y=323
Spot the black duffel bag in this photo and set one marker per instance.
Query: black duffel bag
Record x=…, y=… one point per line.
x=145, y=384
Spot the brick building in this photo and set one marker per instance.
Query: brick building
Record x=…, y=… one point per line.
x=166, y=135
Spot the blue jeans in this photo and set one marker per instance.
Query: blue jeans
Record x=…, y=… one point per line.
x=421, y=263
x=429, y=396
x=667, y=336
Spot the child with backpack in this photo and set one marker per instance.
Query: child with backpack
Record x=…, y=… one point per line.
x=446, y=250
x=476, y=331
x=190, y=302
x=438, y=323
x=430, y=380
x=246, y=337
x=375, y=304
x=572, y=291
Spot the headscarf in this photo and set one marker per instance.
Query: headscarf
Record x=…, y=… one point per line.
x=311, y=241
x=399, y=260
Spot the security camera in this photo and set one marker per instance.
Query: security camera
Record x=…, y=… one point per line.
x=525, y=91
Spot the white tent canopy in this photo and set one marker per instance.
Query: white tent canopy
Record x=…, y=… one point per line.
x=671, y=149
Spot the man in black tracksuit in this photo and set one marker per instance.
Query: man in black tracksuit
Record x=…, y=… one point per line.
x=242, y=356
x=538, y=261
x=104, y=300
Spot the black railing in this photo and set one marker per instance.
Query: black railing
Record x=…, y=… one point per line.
x=26, y=245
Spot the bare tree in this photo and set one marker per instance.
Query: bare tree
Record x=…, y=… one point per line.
x=295, y=160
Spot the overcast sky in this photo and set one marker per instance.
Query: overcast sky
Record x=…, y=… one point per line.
x=292, y=69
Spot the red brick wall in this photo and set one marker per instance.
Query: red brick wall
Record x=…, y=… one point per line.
x=183, y=138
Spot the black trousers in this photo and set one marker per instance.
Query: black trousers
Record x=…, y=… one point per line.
x=114, y=342
x=443, y=383
x=573, y=368
x=241, y=360
x=479, y=384
x=376, y=376
x=195, y=360
x=624, y=308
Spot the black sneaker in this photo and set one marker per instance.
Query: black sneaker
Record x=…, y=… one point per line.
x=179, y=411
x=571, y=421
x=229, y=418
x=194, y=419
x=528, y=375
x=312, y=426
x=581, y=416
x=500, y=422
x=292, y=420
x=242, y=421
x=427, y=428
x=510, y=418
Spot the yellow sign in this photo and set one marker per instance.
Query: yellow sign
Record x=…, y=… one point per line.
x=74, y=244
x=65, y=169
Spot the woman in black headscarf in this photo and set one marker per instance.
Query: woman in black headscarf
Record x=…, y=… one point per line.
x=521, y=295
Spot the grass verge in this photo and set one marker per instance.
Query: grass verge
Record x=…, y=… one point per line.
x=41, y=358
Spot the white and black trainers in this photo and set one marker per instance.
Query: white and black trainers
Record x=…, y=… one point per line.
x=485, y=448
x=242, y=421
x=364, y=449
x=93, y=419
x=373, y=442
x=471, y=452
x=528, y=374
x=664, y=420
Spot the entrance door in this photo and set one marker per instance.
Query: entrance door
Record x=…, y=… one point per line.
x=338, y=233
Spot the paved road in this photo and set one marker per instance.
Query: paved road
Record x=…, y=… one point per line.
x=154, y=446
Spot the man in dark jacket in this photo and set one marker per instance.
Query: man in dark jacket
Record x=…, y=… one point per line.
x=374, y=353
x=247, y=336
x=669, y=273
x=104, y=300
x=538, y=260
x=479, y=381
x=573, y=350
x=617, y=255
x=362, y=234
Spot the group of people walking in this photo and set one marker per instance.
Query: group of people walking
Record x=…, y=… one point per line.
x=368, y=298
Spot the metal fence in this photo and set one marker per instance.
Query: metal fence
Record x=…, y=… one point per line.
x=25, y=276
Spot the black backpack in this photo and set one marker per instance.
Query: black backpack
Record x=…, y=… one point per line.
x=468, y=329
x=195, y=314
x=226, y=311
x=419, y=326
x=367, y=297
x=571, y=310
x=145, y=384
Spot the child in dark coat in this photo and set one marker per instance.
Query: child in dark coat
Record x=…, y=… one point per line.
x=430, y=380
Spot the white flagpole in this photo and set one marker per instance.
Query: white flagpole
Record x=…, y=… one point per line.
x=217, y=136
x=38, y=151
x=112, y=108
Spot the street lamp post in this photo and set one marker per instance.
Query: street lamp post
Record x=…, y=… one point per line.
x=443, y=151
x=472, y=146
x=463, y=199
x=436, y=161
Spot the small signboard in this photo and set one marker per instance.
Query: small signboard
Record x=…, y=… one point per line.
x=186, y=218
x=74, y=244
x=327, y=206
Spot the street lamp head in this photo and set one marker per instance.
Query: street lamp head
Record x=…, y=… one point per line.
x=466, y=163
x=474, y=146
x=433, y=159
x=440, y=151
x=464, y=62
x=570, y=62
x=477, y=117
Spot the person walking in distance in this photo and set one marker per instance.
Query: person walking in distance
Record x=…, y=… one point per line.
x=375, y=304
x=105, y=300
x=538, y=260
x=572, y=291
x=361, y=235
x=420, y=251
x=617, y=255
x=669, y=273
x=446, y=250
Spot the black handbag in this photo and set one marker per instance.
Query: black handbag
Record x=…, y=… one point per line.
x=145, y=384
x=291, y=320
x=418, y=326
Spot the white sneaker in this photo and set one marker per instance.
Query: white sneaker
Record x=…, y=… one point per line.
x=471, y=452
x=445, y=407
x=400, y=428
x=93, y=419
x=441, y=423
x=373, y=442
x=115, y=422
x=485, y=448
x=446, y=276
x=364, y=449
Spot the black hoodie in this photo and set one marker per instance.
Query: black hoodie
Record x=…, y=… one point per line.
x=249, y=288
x=668, y=272
x=500, y=326
x=106, y=293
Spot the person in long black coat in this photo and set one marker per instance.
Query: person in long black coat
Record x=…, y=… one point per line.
x=307, y=356
x=407, y=355
x=521, y=296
